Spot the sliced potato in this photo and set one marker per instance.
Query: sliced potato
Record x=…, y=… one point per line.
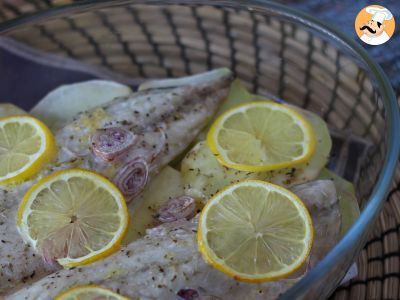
x=166, y=185
x=9, y=109
x=60, y=105
x=238, y=94
x=310, y=170
x=348, y=203
x=192, y=80
x=203, y=175
x=213, y=176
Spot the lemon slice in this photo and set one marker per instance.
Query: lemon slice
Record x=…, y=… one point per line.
x=26, y=144
x=74, y=216
x=89, y=292
x=255, y=231
x=261, y=136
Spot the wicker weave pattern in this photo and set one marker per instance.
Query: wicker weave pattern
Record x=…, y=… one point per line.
x=271, y=56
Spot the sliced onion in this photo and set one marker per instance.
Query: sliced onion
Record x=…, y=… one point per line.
x=183, y=207
x=188, y=294
x=50, y=253
x=132, y=177
x=110, y=143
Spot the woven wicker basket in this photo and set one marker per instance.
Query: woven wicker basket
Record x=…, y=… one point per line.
x=271, y=56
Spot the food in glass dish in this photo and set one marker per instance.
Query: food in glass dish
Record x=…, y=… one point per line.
x=226, y=191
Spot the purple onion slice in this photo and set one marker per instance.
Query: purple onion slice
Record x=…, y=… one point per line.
x=110, y=143
x=132, y=177
x=177, y=208
x=188, y=294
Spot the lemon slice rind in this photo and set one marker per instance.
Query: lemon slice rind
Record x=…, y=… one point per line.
x=221, y=153
x=211, y=258
x=24, y=211
x=73, y=293
x=45, y=153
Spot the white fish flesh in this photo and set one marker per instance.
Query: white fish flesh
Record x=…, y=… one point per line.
x=167, y=261
x=164, y=121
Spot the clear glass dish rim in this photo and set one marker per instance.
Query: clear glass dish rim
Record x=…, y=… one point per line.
x=377, y=198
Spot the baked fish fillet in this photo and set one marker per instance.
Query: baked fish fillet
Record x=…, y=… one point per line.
x=163, y=120
x=166, y=261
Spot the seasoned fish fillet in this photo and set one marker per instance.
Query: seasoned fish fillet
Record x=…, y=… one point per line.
x=325, y=214
x=164, y=122
x=166, y=261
